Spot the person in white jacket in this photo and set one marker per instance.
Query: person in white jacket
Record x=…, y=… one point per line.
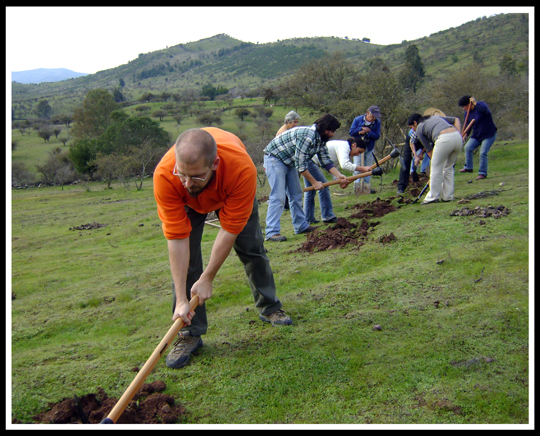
x=342, y=153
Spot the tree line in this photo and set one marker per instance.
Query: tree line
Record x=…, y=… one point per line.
x=335, y=85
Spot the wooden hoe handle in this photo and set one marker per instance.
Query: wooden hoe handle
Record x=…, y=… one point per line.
x=352, y=178
x=464, y=133
x=466, y=118
x=465, y=126
x=139, y=379
x=335, y=182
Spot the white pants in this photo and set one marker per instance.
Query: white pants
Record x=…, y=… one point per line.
x=445, y=152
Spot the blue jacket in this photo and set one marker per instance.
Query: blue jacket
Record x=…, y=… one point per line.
x=372, y=136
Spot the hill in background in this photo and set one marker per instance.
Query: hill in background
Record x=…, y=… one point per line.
x=221, y=60
x=41, y=75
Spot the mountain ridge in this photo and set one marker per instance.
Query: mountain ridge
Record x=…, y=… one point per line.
x=40, y=75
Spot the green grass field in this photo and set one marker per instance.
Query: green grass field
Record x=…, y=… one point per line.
x=451, y=294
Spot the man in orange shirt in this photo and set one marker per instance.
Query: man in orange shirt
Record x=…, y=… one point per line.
x=210, y=170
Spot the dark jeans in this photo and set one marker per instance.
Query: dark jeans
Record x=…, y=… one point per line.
x=249, y=247
x=404, y=173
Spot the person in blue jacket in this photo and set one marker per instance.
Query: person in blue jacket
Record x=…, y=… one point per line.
x=484, y=133
x=367, y=127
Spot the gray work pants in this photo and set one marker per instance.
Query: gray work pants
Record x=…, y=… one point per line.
x=249, y=247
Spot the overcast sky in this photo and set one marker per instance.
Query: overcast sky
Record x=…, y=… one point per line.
x=91, y=39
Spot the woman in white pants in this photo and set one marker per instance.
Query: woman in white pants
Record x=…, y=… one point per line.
x=442, y=141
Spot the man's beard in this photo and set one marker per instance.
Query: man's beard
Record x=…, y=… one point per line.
x=195, y=191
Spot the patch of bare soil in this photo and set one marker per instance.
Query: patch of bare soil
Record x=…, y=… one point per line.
x=148, y=406
x=88, y=226
x=345, y=232
x=484, y=194
x=483, y=212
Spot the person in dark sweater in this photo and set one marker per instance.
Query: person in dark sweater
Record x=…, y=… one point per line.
x=484, y=133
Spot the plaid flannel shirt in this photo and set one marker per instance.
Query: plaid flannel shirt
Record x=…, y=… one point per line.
x=413, y=138
x=297, y=146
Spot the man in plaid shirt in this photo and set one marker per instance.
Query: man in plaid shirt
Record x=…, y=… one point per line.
x=287, y=155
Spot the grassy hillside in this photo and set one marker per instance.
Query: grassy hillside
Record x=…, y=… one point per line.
x=450, y=293
x=223, y=60
x=478, y=45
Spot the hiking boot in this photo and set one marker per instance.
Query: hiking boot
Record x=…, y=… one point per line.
x=277, y=318
x=330, y=221
x=183, y=348
x=277, y=238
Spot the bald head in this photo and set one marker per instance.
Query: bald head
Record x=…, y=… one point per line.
x=194, y=144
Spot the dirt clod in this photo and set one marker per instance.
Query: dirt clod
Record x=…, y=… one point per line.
x=386, y=239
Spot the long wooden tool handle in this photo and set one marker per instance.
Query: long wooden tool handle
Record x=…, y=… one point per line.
x=466, y=118
x=352, y=178
x=335, y=182
x=139, y=379
x=464, y=133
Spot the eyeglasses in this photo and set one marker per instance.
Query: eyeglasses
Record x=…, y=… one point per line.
x=184, y=177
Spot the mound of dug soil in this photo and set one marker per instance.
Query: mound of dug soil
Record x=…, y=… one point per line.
x=148, y=406
x=345, y=232
x=342, y=233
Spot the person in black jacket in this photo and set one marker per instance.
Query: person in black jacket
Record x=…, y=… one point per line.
x=484, y=133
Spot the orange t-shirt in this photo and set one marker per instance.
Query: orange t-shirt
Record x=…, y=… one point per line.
x=232, y=190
